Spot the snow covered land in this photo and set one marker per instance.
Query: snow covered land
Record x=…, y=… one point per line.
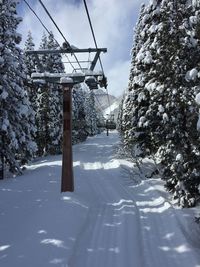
x=114, y=218
x=112, y=109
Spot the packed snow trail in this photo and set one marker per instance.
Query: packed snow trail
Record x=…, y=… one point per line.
x=109, y=221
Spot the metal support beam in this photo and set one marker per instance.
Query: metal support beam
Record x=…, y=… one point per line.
x=77, y=77
x=57, y=77
x=94, y=62
x=67, y=182
x=66, y=51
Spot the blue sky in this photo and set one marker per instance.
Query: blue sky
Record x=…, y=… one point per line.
x=113, y=22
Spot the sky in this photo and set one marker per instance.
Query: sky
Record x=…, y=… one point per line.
x=113, y=22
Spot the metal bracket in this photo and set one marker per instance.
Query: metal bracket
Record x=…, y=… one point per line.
x=69, y=50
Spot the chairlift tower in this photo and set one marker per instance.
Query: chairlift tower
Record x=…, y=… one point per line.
x=91, y=78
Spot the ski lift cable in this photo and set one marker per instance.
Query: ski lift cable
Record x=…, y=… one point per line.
x=59, y=30
x=92, y=30
x=95, y=42
x=37, y=17
x=46, y=29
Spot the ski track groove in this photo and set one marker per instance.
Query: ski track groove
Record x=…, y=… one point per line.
x=143, y=247
x=103, y=214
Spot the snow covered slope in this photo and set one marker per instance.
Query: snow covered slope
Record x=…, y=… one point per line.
x=102, y=98
x=109, y=221
x=113, y=109
x=102, y=102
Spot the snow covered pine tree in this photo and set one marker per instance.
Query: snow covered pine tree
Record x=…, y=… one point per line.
x=91, y=114
x=162, y=110
x=79, y=125
x=49, y=103
x=16, y=117
x=135, y=101
x=30, y=67
x=55, y=65
x=42, y=117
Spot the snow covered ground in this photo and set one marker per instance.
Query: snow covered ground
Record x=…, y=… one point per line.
x=111, y=220
x=111, y=108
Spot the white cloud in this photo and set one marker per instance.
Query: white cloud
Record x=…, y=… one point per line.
x=118, y=77
x=113, y=22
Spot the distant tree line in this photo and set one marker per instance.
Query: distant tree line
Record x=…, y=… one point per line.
x=158, y=114
x=30, y=114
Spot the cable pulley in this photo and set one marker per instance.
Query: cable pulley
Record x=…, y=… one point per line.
x=102, y=80
x=91, y=82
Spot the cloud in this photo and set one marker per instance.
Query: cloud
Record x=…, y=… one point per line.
x=118, y=77
x=113, y=23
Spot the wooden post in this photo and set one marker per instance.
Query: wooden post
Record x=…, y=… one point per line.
x=107, y=131
x=107, y=128
x=67, y=183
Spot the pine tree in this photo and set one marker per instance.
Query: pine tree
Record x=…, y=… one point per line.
x=120, y=117
x=161, y=114
x=55, y=65
x=30, y=67
x=135, y=102
x=16, y=123
x=49, y=99
x=29, y=60
x=79, y=132
x=91, y=114
x=42, y=112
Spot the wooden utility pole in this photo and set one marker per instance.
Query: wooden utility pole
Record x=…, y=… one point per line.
x=67, y=179
x=107, y=129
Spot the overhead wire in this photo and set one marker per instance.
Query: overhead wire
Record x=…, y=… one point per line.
x=46, y=29
x=92, y=30
x=37, y=17
x=46, y=10
x=95, y=42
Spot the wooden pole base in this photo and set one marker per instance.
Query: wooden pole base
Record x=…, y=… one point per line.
x=67, y=183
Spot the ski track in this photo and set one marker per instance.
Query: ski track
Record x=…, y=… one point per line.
x=104, y=223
